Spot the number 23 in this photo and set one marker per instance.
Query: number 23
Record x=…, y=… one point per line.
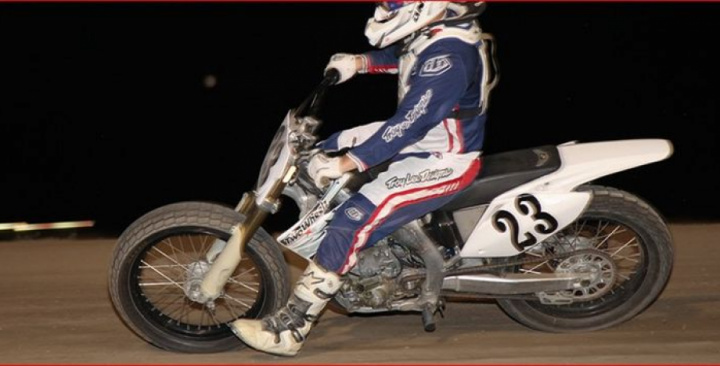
x=527, y=205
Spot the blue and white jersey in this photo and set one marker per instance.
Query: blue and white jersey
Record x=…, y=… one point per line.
x=439, y=73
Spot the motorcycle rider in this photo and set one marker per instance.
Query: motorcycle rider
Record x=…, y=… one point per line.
x=433, y=142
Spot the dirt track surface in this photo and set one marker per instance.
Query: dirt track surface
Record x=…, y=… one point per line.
x=55, y=309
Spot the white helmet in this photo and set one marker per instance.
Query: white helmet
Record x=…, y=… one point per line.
x=395, y=20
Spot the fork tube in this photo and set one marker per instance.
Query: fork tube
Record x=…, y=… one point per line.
x=226, y=262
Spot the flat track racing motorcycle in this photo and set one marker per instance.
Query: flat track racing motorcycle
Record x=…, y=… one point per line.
x=556, y=252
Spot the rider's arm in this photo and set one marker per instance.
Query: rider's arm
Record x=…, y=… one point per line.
x=373, y=62
x=382, y=61
x=350, y=137
x=436, y=87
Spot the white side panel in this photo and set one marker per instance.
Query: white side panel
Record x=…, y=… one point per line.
x=513, y=224
x=580, y=163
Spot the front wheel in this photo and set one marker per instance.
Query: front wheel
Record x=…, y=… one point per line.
x=157, y=257
x=633, y=246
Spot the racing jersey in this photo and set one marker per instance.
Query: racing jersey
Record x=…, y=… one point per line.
x=438, y=73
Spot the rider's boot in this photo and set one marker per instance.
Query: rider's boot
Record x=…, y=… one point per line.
x=284, y=332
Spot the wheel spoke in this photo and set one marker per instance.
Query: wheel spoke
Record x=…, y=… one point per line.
x=211, y=316
x=231, y=309
x=174, y=306
x=162, y=275
x=183, y=254
x=624, y=246
x=226, y=296
x=184, y=267
x=533, y=269
x=606, y=237
x=245, y=284
x=630, y=258
x=174, y=266
x=576, y=237
x=151, y=284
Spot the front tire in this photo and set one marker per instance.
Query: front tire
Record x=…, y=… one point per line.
x=161, y=251
x=639, y=242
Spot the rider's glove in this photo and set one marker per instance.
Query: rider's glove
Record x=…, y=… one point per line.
x=323, y=168
x=345, y=64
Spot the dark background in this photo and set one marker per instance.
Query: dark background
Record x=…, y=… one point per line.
x=105, y=112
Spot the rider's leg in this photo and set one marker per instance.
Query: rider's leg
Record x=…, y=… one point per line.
x=379, y=208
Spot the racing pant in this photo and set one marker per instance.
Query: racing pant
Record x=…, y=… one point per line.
x=410, y=188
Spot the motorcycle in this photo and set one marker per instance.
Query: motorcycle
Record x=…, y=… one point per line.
x=533, y=233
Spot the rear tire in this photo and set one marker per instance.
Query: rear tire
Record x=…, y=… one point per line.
x=152, y=261
x=636, y=237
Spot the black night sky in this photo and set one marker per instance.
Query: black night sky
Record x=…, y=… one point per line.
x=108, y=109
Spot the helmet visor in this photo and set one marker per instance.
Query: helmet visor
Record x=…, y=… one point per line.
x=386, y=10
x=391, y=5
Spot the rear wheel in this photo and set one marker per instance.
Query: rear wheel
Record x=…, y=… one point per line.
x=161, y=253
x=620, y=236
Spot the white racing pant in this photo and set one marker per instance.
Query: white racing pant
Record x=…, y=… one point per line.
x=408, y=189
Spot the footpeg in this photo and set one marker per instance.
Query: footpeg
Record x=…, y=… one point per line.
x=428, y=315
x=428, y=318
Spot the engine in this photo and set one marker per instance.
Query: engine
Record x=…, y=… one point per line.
x=373, y=284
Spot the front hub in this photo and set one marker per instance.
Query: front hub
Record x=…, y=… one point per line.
x=193, y=279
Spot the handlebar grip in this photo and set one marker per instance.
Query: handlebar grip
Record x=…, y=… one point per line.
x=332, y=76
x=311, y=104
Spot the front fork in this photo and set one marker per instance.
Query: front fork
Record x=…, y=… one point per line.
x=225, y=257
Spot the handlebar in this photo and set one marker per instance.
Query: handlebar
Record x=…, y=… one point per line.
x=312, y=103
x=332, y=76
